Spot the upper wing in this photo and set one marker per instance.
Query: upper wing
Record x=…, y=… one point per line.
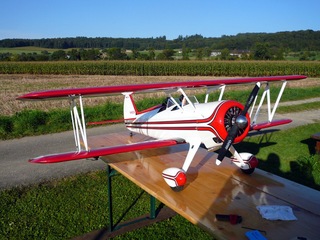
x=70, y=156
x=106, y=90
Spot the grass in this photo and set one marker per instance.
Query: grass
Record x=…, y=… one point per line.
x=30, y=49
x=76, y=205
x=289, y=153
x=299, y=107
x=73, y=206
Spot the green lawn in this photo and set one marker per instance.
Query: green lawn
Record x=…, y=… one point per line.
x=19, y=50
x=76, y=205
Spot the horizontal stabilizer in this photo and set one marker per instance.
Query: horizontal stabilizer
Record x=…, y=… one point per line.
x=274, y=123
x=92, y=153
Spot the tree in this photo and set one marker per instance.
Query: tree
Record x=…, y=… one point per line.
x=225, y=54
x=152, y=54
x=206, y=52
x=74, y=55
x=5, y=56
x=199, y=53
x=58, y=55
x=261, y=51
x=167, y=54
x=185, y=52
x=116, y=54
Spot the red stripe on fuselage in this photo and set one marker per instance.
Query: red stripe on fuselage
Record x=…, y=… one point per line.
x=175, y=124
x=190, y=121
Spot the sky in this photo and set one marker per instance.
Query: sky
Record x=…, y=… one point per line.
x=35, y=19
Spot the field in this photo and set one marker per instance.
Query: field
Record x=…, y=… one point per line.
x=164, y=68
x=20, y=50
x=14, y=85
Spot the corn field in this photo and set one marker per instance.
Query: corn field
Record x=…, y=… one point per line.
x=164, y=68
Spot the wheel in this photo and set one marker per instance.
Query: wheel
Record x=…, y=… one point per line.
x=248, y=171
x=177, y=189
x=251, y=161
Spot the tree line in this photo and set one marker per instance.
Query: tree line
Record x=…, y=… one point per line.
x=259, y=51
x=304, y=40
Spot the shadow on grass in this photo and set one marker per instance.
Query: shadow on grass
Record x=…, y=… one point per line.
x=304, y=169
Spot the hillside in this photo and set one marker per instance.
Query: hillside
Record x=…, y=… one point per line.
x=304, y=40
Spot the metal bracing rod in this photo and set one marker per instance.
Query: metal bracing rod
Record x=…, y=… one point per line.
x=84, y=131
x=76, y=120
x=265, y=92
x=223, y=87
x=79, y=126
x=73, y=112
x=186, y=97
x=260, y=104
x=268, y=103
x=73, y=123
x=211, y=89
x=278, y=100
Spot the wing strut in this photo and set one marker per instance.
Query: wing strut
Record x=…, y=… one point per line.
x=78, y=123
x=271, y=110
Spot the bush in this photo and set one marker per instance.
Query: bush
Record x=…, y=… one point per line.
x=29, y=122
x=6, y=126
x=59, y=120
x=308, y=170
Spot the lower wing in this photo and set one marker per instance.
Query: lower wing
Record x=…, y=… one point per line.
x=273, y=123
x=94, y=153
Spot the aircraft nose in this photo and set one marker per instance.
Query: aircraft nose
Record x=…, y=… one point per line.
x=242, y=121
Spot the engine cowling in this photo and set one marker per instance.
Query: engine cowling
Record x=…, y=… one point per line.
x=225, y=117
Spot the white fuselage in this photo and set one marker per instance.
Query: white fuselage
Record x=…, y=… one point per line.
x=187, y=122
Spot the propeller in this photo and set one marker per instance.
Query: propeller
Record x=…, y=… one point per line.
x=240, y=123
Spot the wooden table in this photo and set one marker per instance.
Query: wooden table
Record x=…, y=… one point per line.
x=212, y=190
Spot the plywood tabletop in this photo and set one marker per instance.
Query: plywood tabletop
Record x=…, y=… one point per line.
x=212, y=190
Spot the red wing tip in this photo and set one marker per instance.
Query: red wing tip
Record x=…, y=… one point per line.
x=26, y=97
x=35, y=161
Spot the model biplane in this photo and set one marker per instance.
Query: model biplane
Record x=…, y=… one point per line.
x=182, y=119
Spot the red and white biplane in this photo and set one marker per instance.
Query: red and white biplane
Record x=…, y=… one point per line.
x=218, y=125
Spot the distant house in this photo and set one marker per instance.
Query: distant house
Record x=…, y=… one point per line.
x=233, y=53
x=215, y=53
x=239, y=53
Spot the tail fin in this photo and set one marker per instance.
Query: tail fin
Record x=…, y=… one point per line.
x=129, y=107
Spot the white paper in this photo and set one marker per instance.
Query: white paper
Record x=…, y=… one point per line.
x=274, y=212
